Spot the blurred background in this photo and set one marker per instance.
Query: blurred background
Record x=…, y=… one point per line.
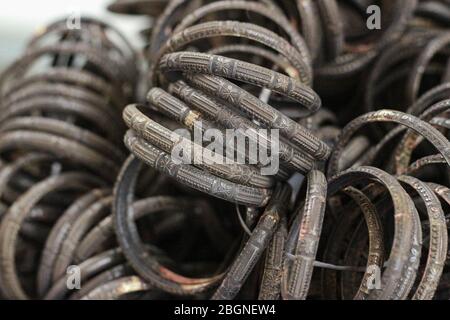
x=19, y=19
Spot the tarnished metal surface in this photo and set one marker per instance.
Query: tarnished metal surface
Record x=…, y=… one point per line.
x=94, y=204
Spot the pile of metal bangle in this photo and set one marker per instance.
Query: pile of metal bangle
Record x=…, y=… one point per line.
x=360, y=205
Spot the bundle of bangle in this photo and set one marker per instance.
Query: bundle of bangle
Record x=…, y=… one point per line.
x=335, y=197
x=412, y=73
x=86, y=229
x=60, y=133
x=418, y=129
x=406, y=69
x=146, y=264
x=208, y=97
x=66, y=109
x=80, y=237
x=205, y=95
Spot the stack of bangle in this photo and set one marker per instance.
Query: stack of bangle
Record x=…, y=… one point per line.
x=60, y=133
